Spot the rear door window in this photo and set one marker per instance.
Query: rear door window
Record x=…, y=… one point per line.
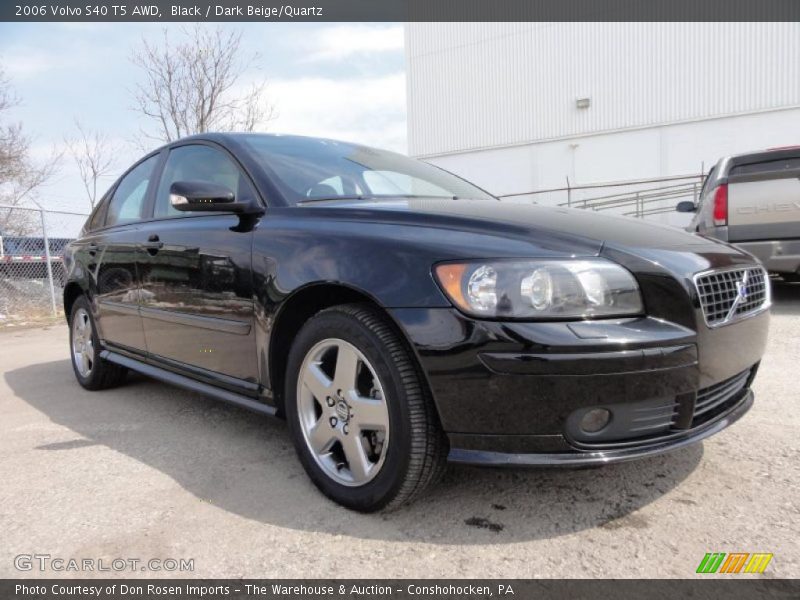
x=98, y=217
x=128, y=200
x=708, y=178
x=776, y=167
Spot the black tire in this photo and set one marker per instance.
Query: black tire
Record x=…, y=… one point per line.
x=415, y=456
x=103, y=374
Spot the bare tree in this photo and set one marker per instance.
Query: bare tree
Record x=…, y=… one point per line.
x=94, y=155
x=20, y=176
x=197, y=84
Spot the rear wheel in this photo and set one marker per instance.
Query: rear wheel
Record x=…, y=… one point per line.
x=91, y=371
x=361, y=420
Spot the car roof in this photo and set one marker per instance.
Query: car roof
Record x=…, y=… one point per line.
x=747, y=158
x=237, y=136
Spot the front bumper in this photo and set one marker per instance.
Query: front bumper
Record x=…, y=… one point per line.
x=507, y=393
x=601, y=457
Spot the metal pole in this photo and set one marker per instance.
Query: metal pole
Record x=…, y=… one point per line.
x=569, y=194
x=49, y=264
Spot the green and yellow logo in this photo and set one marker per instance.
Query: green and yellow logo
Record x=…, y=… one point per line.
x=735, y=562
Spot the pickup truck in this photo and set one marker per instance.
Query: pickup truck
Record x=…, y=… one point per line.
x=753, y=201
x=23, y=257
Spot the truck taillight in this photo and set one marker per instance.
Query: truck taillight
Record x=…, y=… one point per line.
x=721, y=205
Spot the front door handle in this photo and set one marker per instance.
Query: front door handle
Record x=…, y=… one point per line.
x=153, y=244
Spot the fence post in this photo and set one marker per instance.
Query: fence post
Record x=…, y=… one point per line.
x=49, y=262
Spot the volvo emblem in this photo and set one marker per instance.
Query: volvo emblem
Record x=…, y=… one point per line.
x=741, y=296
x=343, y=411
x=741, y=288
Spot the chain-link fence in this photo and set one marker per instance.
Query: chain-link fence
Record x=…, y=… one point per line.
x=32, y=276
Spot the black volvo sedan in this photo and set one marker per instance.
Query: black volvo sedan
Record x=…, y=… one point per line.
x=398, y=316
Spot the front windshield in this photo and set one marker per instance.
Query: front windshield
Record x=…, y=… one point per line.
x=310, y=169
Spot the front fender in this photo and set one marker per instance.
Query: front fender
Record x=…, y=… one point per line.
x=291, y=254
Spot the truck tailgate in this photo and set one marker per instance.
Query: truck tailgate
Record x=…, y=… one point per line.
x=764, y=206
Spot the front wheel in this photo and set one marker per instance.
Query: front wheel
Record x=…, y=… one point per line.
x=362, y=422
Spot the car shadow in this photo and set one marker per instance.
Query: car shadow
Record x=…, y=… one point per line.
x=785, y=298
x=245, y=464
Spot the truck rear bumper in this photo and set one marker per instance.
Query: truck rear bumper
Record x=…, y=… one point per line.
x=778, y=256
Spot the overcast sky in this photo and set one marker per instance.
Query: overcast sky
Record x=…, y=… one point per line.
x=336, y=80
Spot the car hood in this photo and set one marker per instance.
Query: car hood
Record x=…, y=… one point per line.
x=587, y=230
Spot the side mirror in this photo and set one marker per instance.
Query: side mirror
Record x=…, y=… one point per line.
x=686, y=206
x=207, y=196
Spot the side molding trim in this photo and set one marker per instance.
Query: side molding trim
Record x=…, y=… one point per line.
x=201, y=321
x=181, y=318
x=122, y=308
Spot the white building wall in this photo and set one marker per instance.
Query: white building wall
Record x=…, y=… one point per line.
x=478, y=85
x=495, y=102
x=663, y=151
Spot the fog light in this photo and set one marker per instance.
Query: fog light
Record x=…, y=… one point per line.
x=594, y=420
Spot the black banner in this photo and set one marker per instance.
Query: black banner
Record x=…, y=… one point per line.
x=398, y=10
x=732, y=588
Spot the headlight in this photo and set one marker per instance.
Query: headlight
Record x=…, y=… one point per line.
x=573, y=288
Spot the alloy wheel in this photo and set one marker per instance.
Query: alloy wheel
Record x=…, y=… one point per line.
x=343, y=413
x=82, y=343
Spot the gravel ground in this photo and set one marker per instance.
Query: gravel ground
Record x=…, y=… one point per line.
x=150, y=471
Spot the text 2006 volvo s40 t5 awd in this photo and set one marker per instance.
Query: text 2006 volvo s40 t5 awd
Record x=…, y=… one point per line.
x=398, y=316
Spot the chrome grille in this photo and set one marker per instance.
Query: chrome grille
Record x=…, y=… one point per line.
x=718, y=394
x=730, y=294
